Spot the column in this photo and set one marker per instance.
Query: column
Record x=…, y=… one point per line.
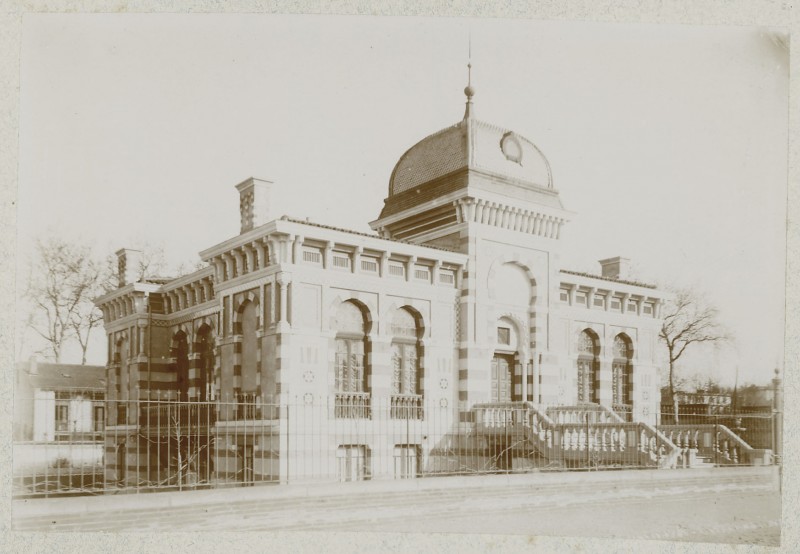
x=297, y=249
x=239, y=260
x=412, y=261
x=258, y=246
x=249, y=255
x=327, y=255
x=228, y=261
x=283, y=281
x=383, y=268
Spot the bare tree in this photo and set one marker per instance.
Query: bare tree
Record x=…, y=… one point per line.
x=688, y=320
x=63, y=281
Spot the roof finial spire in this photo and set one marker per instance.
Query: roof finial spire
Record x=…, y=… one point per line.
x=469, y=90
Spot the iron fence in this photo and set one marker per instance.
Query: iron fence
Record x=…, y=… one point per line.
x=151, y=445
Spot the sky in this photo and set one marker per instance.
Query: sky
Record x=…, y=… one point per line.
x=669, y=143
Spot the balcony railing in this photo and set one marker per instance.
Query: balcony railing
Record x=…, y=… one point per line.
x=353, y=405
x=624, y=411
x=247, y=406
x=406, y=406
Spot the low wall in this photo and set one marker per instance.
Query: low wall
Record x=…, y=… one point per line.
x=38, y=456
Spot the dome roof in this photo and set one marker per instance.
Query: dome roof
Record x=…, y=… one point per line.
x=476, y=145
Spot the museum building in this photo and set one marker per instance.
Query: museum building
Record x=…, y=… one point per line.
x=306, y=351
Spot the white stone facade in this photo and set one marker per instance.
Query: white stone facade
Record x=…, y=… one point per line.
x=459, y=299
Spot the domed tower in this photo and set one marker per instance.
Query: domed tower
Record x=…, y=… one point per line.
x=471, y=172
x=487, y=191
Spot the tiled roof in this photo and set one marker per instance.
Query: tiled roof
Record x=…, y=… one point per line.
x=414, y=197
x=432, y=157
x=49, y=376
x=472, y=144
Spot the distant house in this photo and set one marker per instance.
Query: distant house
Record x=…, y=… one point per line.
x=58, y=402
x=703, y=403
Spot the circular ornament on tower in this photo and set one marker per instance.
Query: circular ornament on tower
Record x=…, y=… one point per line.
x=511, y=147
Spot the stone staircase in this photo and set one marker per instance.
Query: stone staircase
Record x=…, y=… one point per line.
x=581, y=436
x=704, y=445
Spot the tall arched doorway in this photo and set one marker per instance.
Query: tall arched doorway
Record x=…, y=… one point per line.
x=504, y=363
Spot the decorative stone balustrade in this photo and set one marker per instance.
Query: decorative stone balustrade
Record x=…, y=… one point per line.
x=353, y=405
x=596, y=413
x=578, y=436
x=406, y=406
x=717, y=443
x=623, y=411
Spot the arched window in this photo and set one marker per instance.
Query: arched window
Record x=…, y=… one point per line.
x=407, y=372
x=588, y=365
x=248, y=317
x=180, y=352
x=351, y=365
x=205, y=364
x=406, y=353
x=621, y=370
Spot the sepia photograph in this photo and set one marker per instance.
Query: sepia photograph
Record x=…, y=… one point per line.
x=416, y=275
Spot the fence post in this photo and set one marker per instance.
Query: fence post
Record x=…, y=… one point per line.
x=588, y=452
x=777, y=413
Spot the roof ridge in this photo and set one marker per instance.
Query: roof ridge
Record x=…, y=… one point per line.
x=361, y=233
x=612, y=279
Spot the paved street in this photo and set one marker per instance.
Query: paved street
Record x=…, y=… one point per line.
x=729, y=506
x=727, y=518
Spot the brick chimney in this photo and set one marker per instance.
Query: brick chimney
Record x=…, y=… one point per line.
x=128, y=266
x=254, y=202
x=615, y=268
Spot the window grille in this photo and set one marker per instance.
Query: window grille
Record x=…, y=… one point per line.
x=246, y=408
x=406, y=461
x=99, y=418
x=352, y=463
x=341, y=262
x=62, y=417
x=616, y=304
x=312, y=256
x=633, y=306
x=564, y=295
x=397, y=270
x=369, y=266
x=599, y=301
x=447, y=277
x=581, y=298
x=422, y=274
x=648, y=309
